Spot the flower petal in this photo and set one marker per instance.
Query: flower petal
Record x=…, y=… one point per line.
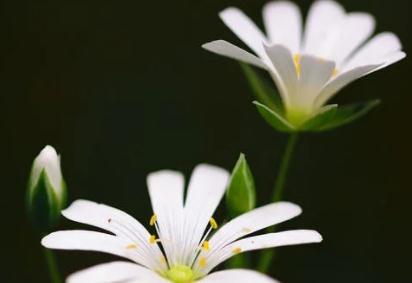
x=354, y=29
x=166, y=194
x=284, y=73
x=390, y=59
x=238, y=276
x=283, y=22
x=227, y=49
x=115, y=221
x=315, y=73
x=375, y=51
x=321, y=27
x=116, y=271
x=250, y=222
x=95, y=241
x=206, y=189
x=341, y=81
x=244, y=28
x=266, y=241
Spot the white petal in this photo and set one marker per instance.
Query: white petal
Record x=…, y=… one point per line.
x=252, y=221
x=284, y=72
x=48, y=160
x=272, y=240
x=206, y=189
x=315, y=73
x=117, y=271
x=354, y=29
x=238, y=276
x=115, y=221
x=166, y=193
x=390, y=59
x=227, y=49
x=321, y=27
x=375, y=51
x=244, y=28
x=340, y=82
x=283, y=23
x=93, y=241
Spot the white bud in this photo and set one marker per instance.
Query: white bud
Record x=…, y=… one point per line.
x=46, y=189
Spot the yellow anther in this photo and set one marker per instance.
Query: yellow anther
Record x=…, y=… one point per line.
x=213, y=223
x=296, y=60
x=152, y=239
x=131, y=246
x=335, y=72
x=202, y=262
x=153, y=220
x=205, y=245
x=236, y=250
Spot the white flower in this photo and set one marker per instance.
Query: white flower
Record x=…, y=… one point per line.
x=188, y=251
x=309, y=67
x=46, y=193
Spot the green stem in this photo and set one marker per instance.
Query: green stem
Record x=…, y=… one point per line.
x=284, y=168
x=268, y=255
x=52, y=266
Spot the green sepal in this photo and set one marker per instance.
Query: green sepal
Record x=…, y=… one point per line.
x=240, y=198
x=336, y=117
x=263, y=89
x=324, y=116
x=274, y=119
x=241, y=192
x=43, y=204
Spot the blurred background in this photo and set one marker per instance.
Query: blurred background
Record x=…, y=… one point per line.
x=122, y=88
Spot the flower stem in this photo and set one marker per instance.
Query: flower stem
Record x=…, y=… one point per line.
x=284, y=168
x=268, y=255
x=52, y=266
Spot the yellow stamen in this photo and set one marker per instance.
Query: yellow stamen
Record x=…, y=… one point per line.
x=236, y=250
x=152, y=239
x=205, y=245
x=131, y=246
x=335, y=72
x=153, y=220
x=202, y=262
x=213, y=223
x=296, y=60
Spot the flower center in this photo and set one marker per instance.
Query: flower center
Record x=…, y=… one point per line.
x=180, y=274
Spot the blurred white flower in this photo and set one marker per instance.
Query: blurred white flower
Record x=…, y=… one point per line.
x=46, y=189
x=189, y=252
x=309, y=66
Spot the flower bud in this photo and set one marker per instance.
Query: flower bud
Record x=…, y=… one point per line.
x=46, y=191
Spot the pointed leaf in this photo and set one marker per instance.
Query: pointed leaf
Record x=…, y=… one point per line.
x=264, y=90
x=277, y=121
x=241, y=195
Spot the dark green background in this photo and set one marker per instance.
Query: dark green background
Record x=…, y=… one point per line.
x=122, y=88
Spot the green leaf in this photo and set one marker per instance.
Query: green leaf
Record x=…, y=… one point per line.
x=347, y=114
x=241, y=196
x=264, y=90
x=276, y=120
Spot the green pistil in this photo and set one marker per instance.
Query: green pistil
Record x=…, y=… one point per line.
x=180, y=274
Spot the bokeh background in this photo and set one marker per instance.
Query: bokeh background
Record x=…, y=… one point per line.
x=122, y=88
